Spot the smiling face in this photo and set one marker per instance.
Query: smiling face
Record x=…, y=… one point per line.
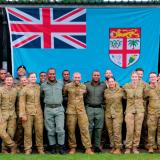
x=77, y=78
x=9, y=81
x=111, y=83
x=140, y=74
x=108, y=74
x=66, y=75
x=23, y=81
x=32, y=78
x=134, y=78
x=43, y=77
x=51, y=75
x=152, y=77
x=96, y=76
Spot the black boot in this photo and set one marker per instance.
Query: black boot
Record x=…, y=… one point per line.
x=53, y=149
x=97, y=150
x=61, y=149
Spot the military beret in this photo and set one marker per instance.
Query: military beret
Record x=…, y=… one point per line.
x=22, y=66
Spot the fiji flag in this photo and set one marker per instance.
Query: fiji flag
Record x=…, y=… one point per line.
x=80, y=39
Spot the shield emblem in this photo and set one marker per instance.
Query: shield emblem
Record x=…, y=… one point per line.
x=124, y=47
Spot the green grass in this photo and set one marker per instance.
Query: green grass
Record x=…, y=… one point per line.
x=81, y=156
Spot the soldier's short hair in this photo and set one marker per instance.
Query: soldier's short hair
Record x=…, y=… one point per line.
x=139, y=69
x=111, y=78
x=42, y=72
x=152, y=73
x=66, y=70
x=51, y=69
x=134, y=72
x=31, y=74
x=8, y=76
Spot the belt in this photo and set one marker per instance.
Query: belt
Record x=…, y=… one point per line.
x=53, y=105
x=95, y=106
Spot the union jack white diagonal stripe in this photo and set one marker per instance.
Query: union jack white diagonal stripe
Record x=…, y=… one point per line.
x=47, y=27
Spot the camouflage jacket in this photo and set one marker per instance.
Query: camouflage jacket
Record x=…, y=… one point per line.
x=75, y=98
x=135, y=98
x=7, y=101
x=153, y=94
x=113, y=102
x=29, y=100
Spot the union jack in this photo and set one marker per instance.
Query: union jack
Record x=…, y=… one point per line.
x=47, y=27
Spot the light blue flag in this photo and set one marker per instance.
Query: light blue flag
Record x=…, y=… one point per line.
x=119, y=39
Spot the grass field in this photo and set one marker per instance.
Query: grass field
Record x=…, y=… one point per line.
x=81, y=156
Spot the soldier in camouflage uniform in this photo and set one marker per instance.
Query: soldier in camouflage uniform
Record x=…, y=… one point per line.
x=114, y=114
x=31, y=113
x=19, y=135
x=152, y=91
x=76, y=112
x=134, y=114
x=8, y=96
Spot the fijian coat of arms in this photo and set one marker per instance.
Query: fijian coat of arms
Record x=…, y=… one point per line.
x=124, y=48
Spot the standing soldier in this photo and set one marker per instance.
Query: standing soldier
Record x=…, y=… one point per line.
x=94, y=108
x=8, y=96
x=114, y=114
x=54, y=111
x=31, y=113
x=19, y=135
x=152, y=91
x=76, y=112
x=134, y=114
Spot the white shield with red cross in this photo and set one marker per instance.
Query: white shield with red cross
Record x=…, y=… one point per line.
x=124, y=48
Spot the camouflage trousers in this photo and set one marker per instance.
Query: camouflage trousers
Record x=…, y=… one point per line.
x=19, y=135
x=114, y=127
x=35, y=121
x=7, y=131
x=134, y=126
x=83, y=124
x=153, y=127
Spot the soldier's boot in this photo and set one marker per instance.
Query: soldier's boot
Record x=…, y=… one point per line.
x=89, y=151
x=155, y=146
x=146, y=147
x=5, y=151
x=41, y=151
x=97, y=150
x=28, y=152
x=14, y=149
x=53, y=149
x=72, y=151
x=135, y=150
x=150, y=150
x=61, y=149
x=117, y=151
x=127, y=151
x=112, y=150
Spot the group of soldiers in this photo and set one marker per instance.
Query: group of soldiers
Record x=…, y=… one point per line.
x=62, y=105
